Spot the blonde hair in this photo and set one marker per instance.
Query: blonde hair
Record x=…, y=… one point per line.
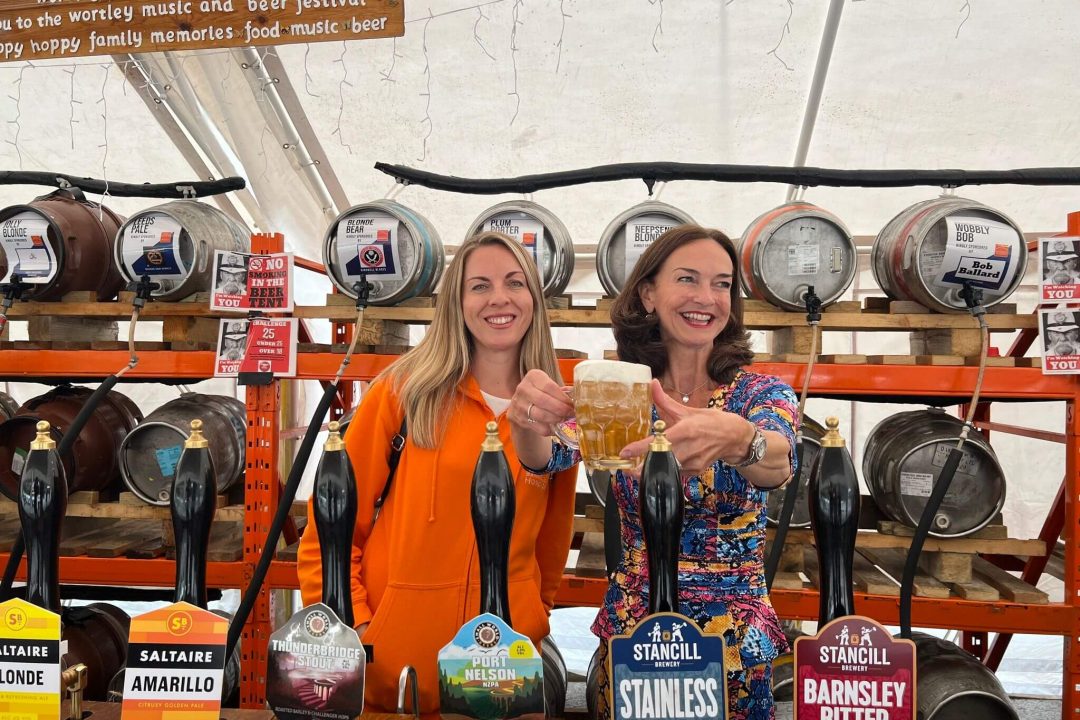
x=426, y=378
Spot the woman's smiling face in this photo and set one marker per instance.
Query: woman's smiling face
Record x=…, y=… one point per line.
x=691, y=293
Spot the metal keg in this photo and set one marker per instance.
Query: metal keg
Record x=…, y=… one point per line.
x=790, y=248
x=800, y=515
x=96, y=636
x=92, y=463
x=952, y=684
x=174, y=244
x=626, y=237
x=150, y=452
x=554, y=678
x=902, y=460
x=61, y=243
x=783, y=666
x=8, y=406
x=395, y=247
x=542, y=233
x=928, y=250
x=592, y=684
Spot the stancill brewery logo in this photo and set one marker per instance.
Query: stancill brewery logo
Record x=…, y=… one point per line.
x=854, y=668
x=667, y=669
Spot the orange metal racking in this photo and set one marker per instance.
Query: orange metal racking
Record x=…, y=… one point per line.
x=866, y=381
x=263, y=485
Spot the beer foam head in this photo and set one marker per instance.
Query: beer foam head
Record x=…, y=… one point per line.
x=612, y=371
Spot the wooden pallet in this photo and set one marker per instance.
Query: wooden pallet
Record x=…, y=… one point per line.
x=877, y=571
x=131, y=528
x=949, y=567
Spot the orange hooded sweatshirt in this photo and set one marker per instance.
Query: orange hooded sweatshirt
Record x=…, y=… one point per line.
x=415, y=576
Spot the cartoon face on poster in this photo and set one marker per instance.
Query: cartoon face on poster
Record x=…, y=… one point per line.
x=230, y=280
x=1059, y=266
x=232, y=341
x=1060, y=333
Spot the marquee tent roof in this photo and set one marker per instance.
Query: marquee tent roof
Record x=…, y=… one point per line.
x=509, y=87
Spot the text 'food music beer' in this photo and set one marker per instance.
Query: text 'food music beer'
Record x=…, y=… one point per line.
x=613, y=407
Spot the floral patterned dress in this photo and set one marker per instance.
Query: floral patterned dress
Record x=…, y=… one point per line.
x=721, y=564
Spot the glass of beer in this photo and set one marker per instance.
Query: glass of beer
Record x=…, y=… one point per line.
x=613, y=408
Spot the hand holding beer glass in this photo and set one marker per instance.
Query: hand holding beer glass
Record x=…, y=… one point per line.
x=613, y=408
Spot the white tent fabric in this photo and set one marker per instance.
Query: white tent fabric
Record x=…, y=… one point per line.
x=508, y=87
x=494, y=88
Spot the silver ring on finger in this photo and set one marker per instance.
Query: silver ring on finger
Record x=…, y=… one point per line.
x=528, y=413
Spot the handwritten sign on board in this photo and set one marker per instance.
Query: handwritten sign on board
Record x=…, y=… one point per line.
x=76, y=28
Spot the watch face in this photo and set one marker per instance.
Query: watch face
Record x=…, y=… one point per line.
x=759, y=445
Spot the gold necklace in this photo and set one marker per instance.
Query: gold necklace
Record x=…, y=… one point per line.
x=686, y=396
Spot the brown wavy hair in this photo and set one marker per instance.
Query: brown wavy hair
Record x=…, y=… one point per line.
x=637, y=333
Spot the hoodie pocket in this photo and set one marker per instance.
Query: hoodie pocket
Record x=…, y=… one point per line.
x=409, y=627
x=527, y=610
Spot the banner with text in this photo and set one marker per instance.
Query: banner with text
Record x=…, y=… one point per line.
x=75, y=28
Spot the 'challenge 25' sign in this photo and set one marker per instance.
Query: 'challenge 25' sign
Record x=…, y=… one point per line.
x=667, y=669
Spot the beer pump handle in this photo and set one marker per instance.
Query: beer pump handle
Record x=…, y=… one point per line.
x=834, y=516
x=42, y=504
x=334, y=497
x=493, y=507
x=192, y=509
x=662, y=506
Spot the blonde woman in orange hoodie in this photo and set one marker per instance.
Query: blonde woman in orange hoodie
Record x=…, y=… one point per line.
x=415, y=572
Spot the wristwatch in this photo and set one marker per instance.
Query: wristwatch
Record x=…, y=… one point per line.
x=757, y=449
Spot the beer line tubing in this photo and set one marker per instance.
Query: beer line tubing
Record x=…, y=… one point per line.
x=288, y=493
x=142, y=293
x=948, y=471
x=183, y=189
x=783, y=522
x=652, y=172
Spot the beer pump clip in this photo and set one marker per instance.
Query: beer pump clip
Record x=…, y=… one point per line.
x=488, y=670
x=666, y=658
x=853, y=661
x=316, y=662
x=176, y=654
